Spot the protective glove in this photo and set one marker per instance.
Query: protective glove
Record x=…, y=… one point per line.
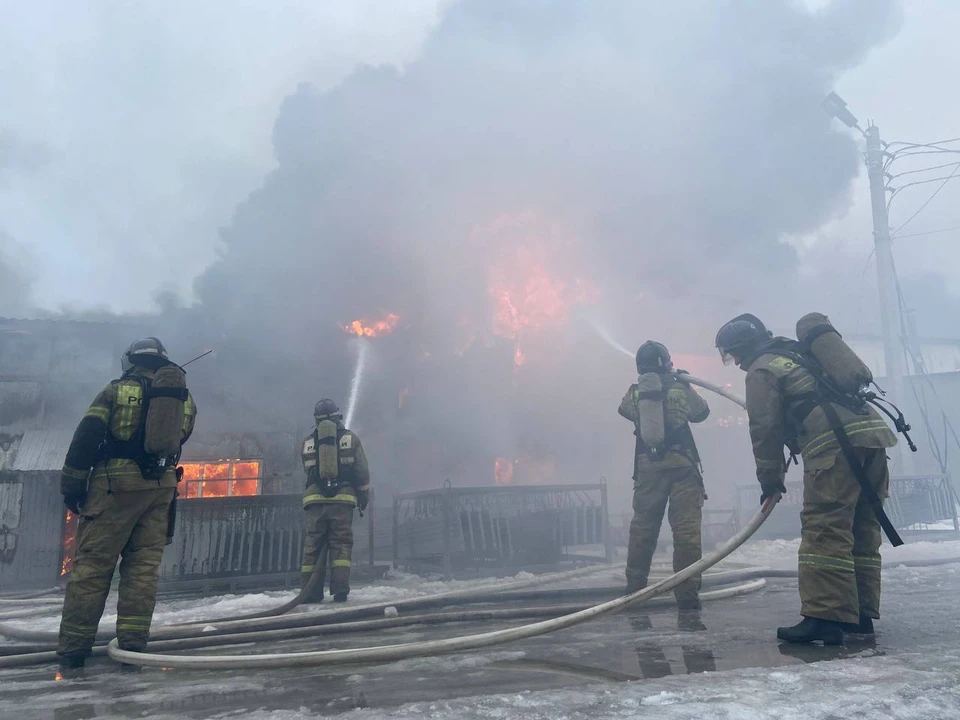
x=771, y=483
x=75, y=501
x=363, y=499
x=74, y=491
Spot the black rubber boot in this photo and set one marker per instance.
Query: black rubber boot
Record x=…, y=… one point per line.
x=690, y=621
x=639, y=621
x=340, y=597
x=864, y=627
x=71, y=664
x=808, y=630
x=129, y=668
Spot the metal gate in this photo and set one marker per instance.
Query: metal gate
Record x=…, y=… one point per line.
x=453, y=530
x=235, y=537
x=915, y=503
x=31, y=530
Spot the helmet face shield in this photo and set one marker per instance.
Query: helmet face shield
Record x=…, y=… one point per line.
x=727, y=358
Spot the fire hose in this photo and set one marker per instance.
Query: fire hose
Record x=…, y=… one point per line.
x=295, y=628
x=257, y=619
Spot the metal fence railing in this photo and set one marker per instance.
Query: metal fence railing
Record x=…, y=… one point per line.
x=453, y=530
x=915, y=503
x=32, y=519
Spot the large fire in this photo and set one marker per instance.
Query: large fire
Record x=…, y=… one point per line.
x=530, y=280
x=373, y=328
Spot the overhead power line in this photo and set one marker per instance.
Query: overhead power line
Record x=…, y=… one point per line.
x=923, y=170
x=928, y=232
x=928, y=201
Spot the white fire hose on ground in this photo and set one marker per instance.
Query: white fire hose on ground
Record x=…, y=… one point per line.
x=484, y=593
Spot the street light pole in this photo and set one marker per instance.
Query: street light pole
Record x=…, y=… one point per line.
x=890, y=322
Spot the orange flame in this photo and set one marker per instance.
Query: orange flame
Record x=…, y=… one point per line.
x=373, y=328
x=530, y=288
x=220, y=478
x=503, y=471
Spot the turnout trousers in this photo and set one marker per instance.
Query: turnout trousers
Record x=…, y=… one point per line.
x=131, y=525
x=328, y=530
x=839, y=561
x=682, y=489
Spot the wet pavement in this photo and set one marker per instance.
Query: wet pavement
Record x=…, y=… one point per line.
x=919, y=608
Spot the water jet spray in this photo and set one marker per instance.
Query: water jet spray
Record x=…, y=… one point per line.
x=362, y=346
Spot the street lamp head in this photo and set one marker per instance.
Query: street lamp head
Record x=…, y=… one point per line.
x=837, y=108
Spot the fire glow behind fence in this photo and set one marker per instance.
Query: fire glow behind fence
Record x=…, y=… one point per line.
x=221, y=478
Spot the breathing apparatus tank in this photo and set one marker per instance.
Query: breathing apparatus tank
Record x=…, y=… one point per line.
x=329, y=466
x=650, y=406
x=838, y=361
x=163, y=426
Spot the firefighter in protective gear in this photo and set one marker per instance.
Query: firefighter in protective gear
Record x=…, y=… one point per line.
x=338, y=480
x=671, y=476
x=839, y=561
x=122, y=513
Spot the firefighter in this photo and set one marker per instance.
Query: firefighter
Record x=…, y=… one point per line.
x=839, y=560
x=123, y=497
x=338, y=480
x=667, y=472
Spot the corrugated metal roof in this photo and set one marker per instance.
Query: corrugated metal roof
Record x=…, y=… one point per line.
x=42, y=450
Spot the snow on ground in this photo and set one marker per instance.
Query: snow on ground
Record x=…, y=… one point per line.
x=169, y=611
x=908, y=687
